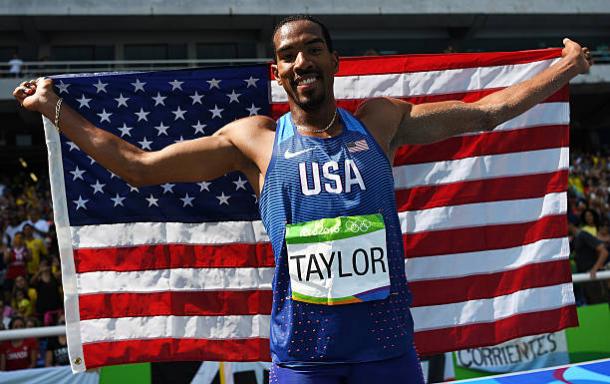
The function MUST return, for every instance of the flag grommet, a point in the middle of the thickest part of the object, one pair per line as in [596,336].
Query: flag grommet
[78,361]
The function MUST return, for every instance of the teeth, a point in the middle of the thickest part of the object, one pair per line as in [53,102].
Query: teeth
[308,80]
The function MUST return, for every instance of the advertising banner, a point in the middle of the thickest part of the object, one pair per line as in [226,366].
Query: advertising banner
[525,353]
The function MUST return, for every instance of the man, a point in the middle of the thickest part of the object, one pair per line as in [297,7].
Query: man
[15,65]
[340,308]
[590,254]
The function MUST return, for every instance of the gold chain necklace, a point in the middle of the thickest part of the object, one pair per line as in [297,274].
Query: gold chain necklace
[318,130]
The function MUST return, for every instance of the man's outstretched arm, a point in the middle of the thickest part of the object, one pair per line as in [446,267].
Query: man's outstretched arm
[189,161]
[427,123]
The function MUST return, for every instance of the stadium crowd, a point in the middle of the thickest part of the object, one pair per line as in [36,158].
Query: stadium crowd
[589,221]
[30,274]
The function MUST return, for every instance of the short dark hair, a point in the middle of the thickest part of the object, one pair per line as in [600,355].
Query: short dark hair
[292,18]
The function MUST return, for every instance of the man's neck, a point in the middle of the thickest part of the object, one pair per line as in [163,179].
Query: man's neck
[308,121]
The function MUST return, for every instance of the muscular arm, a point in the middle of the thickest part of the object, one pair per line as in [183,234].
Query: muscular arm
[406,123]
[195,160]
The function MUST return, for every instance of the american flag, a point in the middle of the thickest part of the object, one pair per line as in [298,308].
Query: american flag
[183,271]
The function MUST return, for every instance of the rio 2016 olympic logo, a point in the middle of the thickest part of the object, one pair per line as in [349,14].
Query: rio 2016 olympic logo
[319,229]
[358,226]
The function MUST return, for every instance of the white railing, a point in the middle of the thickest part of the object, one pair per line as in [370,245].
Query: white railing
[61,330]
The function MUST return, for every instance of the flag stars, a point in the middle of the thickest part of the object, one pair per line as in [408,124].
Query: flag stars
[152,201]
[142,114]
[159,99]
[214,83]
[63,87]
[223,199]
[104,116]
[204,186]
[179,114]
[176,85]
[138,86]
[98,187]
[253,110]
[196,98]
[199,128]
[162,129]
[251,82]
[233,97]
[145,144]
[187,201]
[91,160]
[125,130]
[83,102]
[168,188]
[118,200]
[72,146]
[240,184]
[80,203]
[133,189]
[77,174]
[180,139]
[121,100]
[216,112]
[100,87]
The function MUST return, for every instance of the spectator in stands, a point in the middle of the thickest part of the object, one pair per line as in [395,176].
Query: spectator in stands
[589,220]
[21,284]
[24,306]
[57,348]
[590,255]
[40,225]
[14,226]
[35,246]
[32,322]
[6,313]
[15,65]
[15,258]
[18,353]
[49,297]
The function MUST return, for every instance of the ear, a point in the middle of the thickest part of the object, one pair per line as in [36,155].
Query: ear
[335,62]
[276,74]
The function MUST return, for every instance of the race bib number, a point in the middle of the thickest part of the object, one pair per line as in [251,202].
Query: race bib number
[336,261]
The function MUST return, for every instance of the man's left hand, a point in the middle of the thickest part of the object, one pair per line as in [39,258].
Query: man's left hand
[580,57]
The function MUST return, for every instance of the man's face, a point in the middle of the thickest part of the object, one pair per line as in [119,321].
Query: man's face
[304,65]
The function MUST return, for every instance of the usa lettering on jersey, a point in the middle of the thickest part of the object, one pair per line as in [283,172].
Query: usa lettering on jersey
[332,180]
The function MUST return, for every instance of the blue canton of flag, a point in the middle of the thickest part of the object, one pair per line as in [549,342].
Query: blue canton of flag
[153,110]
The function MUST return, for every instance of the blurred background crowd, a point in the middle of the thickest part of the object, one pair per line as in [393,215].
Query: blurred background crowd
[30,274]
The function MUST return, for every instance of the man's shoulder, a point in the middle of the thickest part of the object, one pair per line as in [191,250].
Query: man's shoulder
[251,124]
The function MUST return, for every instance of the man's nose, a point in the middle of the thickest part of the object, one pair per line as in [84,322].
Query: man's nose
[302,61]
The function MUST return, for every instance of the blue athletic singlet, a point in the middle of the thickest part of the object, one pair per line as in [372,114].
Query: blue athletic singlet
[304,333]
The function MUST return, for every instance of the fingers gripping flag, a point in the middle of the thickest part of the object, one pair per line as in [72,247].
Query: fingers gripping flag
[183,271]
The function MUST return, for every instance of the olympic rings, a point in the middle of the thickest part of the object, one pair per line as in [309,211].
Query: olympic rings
[358,226]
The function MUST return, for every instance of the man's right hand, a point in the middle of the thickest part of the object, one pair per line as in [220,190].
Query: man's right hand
[34,95]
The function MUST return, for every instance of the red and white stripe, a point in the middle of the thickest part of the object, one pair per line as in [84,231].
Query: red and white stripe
[482,215]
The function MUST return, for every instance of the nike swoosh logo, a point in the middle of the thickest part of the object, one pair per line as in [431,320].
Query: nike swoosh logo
[290,155]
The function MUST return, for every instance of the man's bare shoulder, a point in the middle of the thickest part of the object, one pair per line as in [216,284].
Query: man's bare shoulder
[248,126]
[253,136]
[382,117]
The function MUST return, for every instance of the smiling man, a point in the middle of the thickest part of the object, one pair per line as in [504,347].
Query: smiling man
[341,303]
